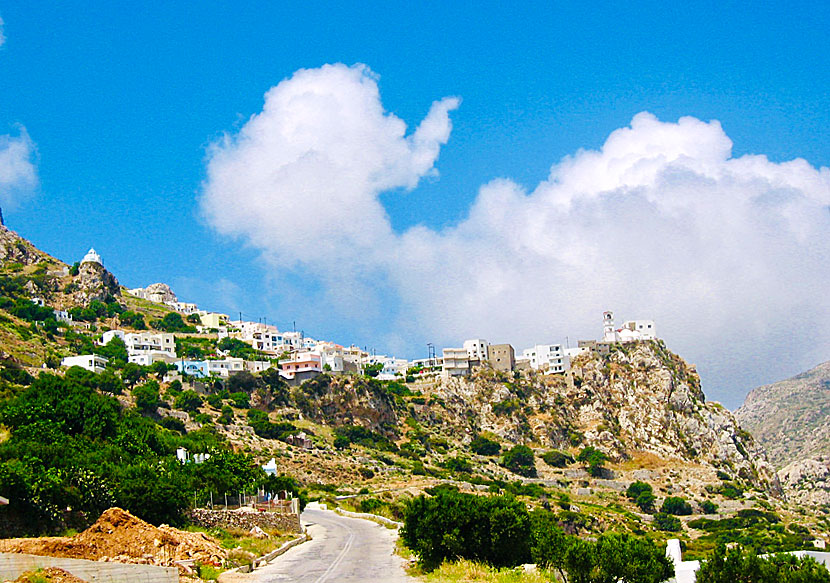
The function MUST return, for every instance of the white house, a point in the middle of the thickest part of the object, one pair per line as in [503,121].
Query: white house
[549,357]
[477,349]
[456,362]
[147,347]
[631,331]
[91,362]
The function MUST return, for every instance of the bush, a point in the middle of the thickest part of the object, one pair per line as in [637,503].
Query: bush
[676,505]
[188,400]
[451,525]
[708,507]
[147,397]
[520,460]
[642,494]
[484,446]
[594,458]
[667,522]
[557,459]
[744,565]
[173,424]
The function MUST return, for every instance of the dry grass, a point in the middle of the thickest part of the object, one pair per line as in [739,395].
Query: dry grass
[467,571]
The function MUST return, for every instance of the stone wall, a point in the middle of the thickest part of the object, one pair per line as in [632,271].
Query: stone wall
[245,520]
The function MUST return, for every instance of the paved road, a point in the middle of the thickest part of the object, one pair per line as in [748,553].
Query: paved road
[342,550]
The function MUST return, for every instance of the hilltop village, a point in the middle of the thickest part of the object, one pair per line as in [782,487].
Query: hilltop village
[300,357]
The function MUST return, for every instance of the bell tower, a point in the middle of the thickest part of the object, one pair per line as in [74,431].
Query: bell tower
[608,332]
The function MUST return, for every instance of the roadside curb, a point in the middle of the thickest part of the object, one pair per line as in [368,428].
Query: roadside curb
[367,516]
[264,559]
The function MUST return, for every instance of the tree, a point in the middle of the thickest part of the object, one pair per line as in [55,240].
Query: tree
[147,397]
[485,446]
[642,494]
[667,522]
[557,459]
[548,542]
[132,373]
[451,525]
[708,507]
[676,505]
[520,460]
[595,458]
[115,350]
[188,400]
[737,565]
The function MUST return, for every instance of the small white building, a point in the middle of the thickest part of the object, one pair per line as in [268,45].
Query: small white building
[456,362]
[91,362]
[477,349]
[548,357]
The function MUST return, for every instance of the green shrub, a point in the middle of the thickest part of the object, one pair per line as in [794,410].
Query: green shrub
[708,507]
[676,505]
[667,522]
[520,460]
[485,446]
[557,459]
[451,525]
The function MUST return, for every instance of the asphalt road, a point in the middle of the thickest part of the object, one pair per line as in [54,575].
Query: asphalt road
[342,550]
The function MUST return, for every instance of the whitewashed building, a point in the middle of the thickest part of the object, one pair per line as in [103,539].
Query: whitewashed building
[477,349]
[456,362]
[91,362]
[548,357]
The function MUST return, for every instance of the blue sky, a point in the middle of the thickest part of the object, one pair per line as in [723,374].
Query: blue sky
[121,105]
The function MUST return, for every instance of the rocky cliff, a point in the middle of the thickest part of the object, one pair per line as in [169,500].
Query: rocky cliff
[640,398]
[791,418]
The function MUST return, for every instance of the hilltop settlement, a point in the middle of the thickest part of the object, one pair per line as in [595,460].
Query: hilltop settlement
[134,400]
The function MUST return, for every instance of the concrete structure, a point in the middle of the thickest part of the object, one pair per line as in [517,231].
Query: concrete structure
[547,357]
[63,316]
[684,571]
[91,362]
[502,357]
[213,319]
[205,368]
[456,362]
[631,331]
[477,349]
[302,362]
[637,330]
[257,365]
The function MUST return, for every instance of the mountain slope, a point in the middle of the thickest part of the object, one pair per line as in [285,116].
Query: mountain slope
[791,418]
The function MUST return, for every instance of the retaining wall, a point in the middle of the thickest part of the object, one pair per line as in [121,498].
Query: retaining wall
[245,520]
[12,565]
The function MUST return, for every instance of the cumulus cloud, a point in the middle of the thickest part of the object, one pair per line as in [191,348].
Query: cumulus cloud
[18,176]
[728,254]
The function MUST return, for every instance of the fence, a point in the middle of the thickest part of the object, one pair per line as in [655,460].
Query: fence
[260,502]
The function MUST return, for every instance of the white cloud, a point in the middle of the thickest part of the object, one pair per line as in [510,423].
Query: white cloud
[729,255]
[2,36]
[18,176]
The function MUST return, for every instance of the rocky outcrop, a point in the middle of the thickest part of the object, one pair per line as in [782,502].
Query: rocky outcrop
[16,249]
[159,293]
[94,282]
[807,482]
[640,398]
[790,418]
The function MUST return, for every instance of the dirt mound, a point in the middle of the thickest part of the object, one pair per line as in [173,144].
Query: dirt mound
[121,537]
[49,575]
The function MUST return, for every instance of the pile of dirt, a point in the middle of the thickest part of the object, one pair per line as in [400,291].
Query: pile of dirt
[49,575]
[121,537]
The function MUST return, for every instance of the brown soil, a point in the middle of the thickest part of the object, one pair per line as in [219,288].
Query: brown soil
[121,537]
[50,575]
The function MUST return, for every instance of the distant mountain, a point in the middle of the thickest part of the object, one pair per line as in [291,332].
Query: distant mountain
[791,418]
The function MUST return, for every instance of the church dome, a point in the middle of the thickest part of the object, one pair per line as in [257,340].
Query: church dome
[92,257]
